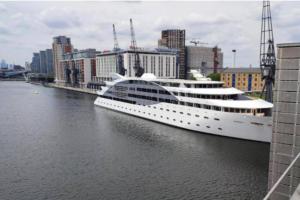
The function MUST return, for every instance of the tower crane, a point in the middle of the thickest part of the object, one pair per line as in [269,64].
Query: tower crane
[267,52]
[116,44]
[137,64]
[119,58]
[196,42]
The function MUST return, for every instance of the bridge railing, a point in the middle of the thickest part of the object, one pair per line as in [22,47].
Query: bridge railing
[294,183]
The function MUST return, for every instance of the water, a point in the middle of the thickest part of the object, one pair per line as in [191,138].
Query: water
[57,145]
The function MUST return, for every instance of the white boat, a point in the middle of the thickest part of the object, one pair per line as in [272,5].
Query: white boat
[203,105]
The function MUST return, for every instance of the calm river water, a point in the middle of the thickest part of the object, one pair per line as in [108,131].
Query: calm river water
[57,145]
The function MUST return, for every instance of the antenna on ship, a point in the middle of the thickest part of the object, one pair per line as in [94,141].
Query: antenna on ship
[267,52]
[137,64]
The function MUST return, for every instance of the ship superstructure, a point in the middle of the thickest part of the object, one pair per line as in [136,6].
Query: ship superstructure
[202,105]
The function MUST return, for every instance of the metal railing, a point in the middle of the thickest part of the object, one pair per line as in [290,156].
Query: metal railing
[272,190]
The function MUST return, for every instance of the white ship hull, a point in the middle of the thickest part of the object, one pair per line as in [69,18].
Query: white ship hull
[234,125]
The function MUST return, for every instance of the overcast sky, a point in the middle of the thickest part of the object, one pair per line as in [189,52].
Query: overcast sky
[28,27]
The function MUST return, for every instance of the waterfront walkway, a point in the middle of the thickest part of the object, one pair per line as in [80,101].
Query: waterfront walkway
[83,90]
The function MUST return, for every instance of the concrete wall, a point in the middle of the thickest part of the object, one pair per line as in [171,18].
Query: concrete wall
[286,121]
[202,58]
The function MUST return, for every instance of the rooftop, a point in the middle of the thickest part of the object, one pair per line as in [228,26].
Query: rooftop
[288,45]
[242,70]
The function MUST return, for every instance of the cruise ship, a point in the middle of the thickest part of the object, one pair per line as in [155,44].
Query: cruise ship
[200,105]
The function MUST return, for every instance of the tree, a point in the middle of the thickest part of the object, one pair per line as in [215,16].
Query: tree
[215,76]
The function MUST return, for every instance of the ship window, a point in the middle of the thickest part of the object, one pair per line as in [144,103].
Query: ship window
[154,107]
[182,94]
[161,116]
[197,115]
[220,129]
[181,113]
[182,103]
[217,108]
[205,117]
[258,124]
[206,106]
[174,119]
[189,123]
[189,114]
[217,119]
[167,110]
[190,104]
[154,91]
[175,93]
[174,101]
[164,92]
[197,105]
[197,125]
[167,117]
[190,95]
[180,121]
[207,126]
[161,109]
[174,111]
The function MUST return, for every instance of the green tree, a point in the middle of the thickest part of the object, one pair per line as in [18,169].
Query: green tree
[215,76]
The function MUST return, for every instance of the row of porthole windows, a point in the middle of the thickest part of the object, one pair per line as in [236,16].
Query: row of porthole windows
[189,114]
[205,117]
[181,121]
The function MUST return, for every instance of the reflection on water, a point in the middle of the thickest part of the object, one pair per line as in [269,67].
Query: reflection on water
[57,145]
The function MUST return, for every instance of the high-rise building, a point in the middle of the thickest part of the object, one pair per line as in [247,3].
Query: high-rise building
[43,63]
[204,59]
[175,39]
[3,64]
[49,62]
[60,46]
[78,68]
[35,63]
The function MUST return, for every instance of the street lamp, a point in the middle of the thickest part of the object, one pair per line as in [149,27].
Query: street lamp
[234,57]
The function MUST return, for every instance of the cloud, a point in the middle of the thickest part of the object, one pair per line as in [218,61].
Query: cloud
[59,18]
[3,7]
[30,26]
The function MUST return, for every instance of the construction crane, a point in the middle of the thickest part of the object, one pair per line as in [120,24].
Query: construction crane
[116,44]
[267,52]
[119,58]
[196,42]
[137,64]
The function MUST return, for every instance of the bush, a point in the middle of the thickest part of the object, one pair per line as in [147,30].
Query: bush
[215,76]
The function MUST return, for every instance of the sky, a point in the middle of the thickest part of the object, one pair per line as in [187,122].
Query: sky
[27,27]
